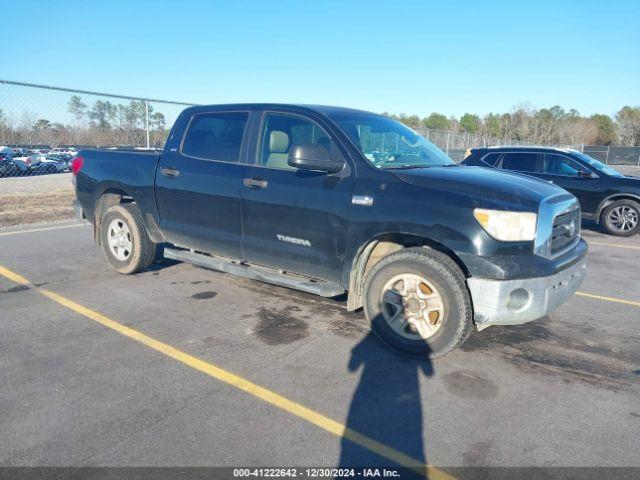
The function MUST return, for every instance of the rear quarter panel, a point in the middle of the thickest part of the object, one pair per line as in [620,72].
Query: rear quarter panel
[111,171]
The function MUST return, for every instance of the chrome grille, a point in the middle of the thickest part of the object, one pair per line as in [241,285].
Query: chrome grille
[566,230]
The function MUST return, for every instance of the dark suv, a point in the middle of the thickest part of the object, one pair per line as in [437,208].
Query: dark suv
[606,196]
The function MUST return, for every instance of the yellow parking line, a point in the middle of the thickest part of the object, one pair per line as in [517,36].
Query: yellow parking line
[44,229]
[608,299]
[630,247]
[240,383]
[14,277]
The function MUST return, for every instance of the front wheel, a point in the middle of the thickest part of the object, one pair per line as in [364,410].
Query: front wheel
[124,240]
[622,218]
[417,302]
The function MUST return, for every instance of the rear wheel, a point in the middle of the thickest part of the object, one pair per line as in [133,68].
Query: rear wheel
[417,302]
[124,240]
[622,218]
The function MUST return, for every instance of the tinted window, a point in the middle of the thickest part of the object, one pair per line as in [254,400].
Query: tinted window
[560,165]
[215,136]
[521,162]
[282,131]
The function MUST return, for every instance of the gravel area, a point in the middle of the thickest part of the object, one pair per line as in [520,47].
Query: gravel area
[39,184]
[29,200]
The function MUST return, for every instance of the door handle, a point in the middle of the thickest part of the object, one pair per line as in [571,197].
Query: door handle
[255,182]
[169,172]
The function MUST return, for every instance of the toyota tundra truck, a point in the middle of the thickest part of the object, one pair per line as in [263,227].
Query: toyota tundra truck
[331,200]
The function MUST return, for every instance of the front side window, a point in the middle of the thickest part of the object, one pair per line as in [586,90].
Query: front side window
[491,159]
[560,165]
[389,144]
[215,136]
[520,162]
[280,132]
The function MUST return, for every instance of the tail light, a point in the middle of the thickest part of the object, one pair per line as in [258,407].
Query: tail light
[76,165]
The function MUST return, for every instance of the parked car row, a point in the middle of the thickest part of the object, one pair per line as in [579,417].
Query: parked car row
[21,162]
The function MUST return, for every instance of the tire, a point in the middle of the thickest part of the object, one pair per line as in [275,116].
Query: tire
[622,218]
[134,250]
[454,322]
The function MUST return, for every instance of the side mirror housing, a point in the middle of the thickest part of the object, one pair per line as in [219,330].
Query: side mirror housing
[585,174]
[314,157]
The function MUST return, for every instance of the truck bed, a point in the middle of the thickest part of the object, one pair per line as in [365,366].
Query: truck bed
[127,172]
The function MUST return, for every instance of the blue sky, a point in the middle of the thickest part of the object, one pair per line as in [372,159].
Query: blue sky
[401,57]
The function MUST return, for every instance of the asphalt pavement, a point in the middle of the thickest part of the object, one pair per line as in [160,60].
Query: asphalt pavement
[199,368]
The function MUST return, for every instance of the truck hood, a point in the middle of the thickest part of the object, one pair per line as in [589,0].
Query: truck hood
[488,188]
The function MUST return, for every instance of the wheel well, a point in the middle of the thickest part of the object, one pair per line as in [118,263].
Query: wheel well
[609,200]
[107,199]
[378,248]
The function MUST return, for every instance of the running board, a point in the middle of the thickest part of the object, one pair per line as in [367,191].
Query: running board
[262,274]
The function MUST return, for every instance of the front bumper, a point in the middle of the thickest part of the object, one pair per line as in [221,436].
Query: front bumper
[512,302]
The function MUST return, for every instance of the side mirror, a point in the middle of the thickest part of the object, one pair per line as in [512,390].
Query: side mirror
[585,174]
[314,157]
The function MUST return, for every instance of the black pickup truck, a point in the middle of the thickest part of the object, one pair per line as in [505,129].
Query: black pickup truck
[331,200]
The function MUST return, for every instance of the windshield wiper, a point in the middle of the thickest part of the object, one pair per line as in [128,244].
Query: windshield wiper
[406,167]
[410,166]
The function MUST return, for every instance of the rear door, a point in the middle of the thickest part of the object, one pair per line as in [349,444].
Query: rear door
[295,220]
[198,184]
[521,162]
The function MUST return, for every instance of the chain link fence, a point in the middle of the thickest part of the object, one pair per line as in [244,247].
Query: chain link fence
[613,155]
[41,125]
[42,128]
[455,144]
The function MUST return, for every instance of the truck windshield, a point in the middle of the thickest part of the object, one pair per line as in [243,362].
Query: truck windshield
[388,144]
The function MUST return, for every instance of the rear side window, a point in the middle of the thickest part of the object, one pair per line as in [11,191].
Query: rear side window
[215,136]
[521,162]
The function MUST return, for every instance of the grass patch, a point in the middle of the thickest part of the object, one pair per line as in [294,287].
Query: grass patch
[22,209]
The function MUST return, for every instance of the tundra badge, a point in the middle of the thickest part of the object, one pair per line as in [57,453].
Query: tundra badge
[296,241]
[365,200]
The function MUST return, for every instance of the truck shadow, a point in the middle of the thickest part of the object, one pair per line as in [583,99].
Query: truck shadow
[386,406]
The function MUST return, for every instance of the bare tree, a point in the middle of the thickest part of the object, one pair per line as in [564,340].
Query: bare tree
[628,119]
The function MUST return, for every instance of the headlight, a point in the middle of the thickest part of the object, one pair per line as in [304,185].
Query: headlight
[507,226]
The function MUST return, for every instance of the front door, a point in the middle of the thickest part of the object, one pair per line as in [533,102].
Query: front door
[573,177]
[198,186]
[295,220]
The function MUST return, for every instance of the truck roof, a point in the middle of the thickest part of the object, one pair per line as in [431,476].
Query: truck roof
[322,109]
